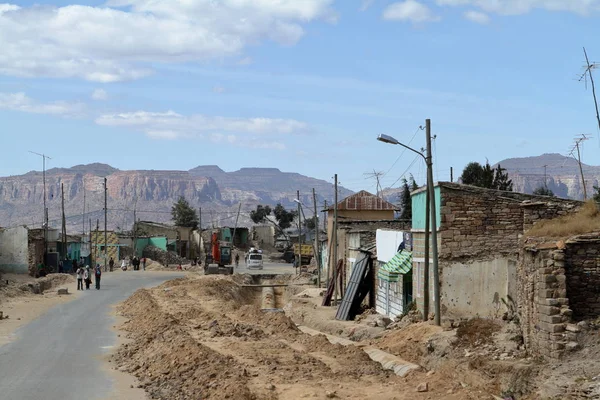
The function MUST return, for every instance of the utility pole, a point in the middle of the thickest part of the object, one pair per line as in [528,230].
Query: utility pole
[426,284]
[235,226]
[105,224]
[436,276]
[91,257]
[64,221]
[588,72]
[200,218]
[335,239]
[317,252]
[83,214]
[451,175]
[97,232]
[45,223]
[299,265]
[545,182]
[578,158]
[325,216]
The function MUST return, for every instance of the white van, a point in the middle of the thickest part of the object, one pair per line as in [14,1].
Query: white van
[254,259]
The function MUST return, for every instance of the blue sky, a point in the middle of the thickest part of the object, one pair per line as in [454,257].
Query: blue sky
[304,86]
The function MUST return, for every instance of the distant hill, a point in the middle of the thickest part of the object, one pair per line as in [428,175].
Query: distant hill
[152,193]
[527,173]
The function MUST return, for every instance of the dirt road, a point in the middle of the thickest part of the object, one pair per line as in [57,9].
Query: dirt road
[59,354]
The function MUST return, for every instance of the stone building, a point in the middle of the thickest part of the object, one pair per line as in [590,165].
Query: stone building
[478,241]
[558,286]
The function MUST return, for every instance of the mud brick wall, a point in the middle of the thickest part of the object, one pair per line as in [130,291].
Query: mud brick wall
[582,257]
[543,304]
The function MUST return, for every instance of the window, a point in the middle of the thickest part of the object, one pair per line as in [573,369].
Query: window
[255,257]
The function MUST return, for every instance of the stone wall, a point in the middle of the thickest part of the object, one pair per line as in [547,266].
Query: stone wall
[582,257]
[481,223]
[558,285]
[534,211]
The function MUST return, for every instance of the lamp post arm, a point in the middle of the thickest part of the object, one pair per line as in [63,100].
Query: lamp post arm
[413,150]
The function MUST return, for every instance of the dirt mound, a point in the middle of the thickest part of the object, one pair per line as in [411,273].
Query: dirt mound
[206,338]
[409,343]
[476,332]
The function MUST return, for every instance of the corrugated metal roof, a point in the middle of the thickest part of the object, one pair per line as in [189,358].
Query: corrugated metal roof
[365,201]
[401,263]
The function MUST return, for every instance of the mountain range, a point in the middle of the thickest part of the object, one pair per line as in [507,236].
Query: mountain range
[559,173]
[151,194]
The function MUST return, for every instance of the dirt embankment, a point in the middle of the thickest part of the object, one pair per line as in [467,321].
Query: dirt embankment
[206,338]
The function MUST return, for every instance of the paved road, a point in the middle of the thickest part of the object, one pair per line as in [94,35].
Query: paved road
[58,356]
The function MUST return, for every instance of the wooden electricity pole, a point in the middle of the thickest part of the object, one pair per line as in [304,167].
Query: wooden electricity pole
[334,251]
[588,72]
[64,221]
[317,252]
[105,224]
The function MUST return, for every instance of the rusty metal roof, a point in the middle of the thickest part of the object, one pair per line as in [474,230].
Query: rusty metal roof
[365,201]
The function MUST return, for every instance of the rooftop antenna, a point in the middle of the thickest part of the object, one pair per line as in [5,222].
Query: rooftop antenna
[576,146]
[376,175]
[589,67]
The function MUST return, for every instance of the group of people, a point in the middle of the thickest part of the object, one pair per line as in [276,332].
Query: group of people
[135,262]
[84,276]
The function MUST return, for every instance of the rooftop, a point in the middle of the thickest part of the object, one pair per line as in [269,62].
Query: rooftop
[364,201]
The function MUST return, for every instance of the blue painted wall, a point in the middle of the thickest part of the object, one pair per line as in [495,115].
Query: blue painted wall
[418,208]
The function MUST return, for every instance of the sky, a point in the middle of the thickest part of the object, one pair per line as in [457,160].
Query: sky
[300,85]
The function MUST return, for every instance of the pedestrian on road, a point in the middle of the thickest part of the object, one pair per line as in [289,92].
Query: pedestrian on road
[87,277]
[111,264]
[124,265]
[79,278]
[98,275]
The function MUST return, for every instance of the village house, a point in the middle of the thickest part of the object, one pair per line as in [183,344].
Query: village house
[22,249]
[478,242]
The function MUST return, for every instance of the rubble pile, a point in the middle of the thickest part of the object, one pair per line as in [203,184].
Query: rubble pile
[166,258]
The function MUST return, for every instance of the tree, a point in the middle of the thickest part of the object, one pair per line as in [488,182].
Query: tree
[597,194]
[284,217]
[405,201]
[260,214]
[484,176]
[543,191]
[310,223]
[184,215]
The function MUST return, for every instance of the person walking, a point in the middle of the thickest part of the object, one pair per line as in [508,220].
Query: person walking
[87,277]
[98,275]
[237,259]
[144,263]
[80,278]
[111,264]
[123,265]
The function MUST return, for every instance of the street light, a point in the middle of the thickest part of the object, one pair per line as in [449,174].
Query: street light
[429,212]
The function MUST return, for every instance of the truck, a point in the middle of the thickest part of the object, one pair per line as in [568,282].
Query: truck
[218,252]
[305,250]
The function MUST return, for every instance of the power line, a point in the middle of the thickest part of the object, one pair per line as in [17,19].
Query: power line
[403,150]
[404,173]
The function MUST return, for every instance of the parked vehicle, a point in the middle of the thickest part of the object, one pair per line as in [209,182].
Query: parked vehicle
[254,259]
[220,254]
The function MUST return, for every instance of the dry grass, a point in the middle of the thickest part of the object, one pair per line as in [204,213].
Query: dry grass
[586,220]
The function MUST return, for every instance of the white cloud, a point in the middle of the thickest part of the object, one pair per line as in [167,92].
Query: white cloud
[246,61]
[477,17]
[119,41]
[21,102]
[99,94]
[366,4]
[246,132]
[218,89]
[518,7]
[409,10]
